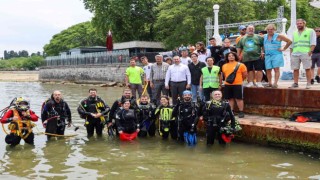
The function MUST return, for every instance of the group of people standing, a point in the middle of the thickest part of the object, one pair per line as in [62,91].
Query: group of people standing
[194,84]
[126,116]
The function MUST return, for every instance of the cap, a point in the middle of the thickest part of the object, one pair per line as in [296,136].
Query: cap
[187,92]
[242,27]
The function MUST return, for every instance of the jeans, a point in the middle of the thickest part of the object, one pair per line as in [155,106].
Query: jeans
[195,92]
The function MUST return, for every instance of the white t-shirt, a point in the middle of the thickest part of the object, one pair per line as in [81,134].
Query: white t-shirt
[187,60]
[147,71]
[203,57]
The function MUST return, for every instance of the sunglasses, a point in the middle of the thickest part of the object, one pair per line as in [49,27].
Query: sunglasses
[317,30]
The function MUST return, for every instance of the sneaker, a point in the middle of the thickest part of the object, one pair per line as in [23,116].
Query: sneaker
[312,81]
[275,86]
[241,114]
[294,85]
[317,79]
[268,86]
[250,84]
[258,84]
[308,86]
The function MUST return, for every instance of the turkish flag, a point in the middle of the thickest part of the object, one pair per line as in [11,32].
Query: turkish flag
[109,43]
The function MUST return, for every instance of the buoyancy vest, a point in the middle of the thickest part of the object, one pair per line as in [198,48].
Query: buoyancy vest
[20,127]
[165,113]
[301,43]
[188,112]
[210,79]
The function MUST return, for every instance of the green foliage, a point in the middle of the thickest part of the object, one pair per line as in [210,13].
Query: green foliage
[129,20]
[182,22]
[13,54]
[173,22]
[24,63]
[82,34]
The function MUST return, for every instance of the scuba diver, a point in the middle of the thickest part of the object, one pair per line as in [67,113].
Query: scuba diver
[127,122]
[93,109]
[127,95]
[186,113]
[146,117]
[19,116]
[216,114]
[167,123]
[54,114]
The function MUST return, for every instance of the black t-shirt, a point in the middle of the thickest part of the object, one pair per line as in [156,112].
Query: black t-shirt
[215,53]
[317,48]
[225,50]
[195,71]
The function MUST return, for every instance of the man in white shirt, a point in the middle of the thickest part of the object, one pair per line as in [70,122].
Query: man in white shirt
[180,77]
[185,59]
[147,70]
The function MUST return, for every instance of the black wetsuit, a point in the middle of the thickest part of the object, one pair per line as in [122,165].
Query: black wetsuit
[146,120]
[127,121]
[186,115]
[93,105]
[216,115]
[52,109]
[116,107]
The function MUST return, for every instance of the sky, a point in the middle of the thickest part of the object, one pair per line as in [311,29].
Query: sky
[30,24]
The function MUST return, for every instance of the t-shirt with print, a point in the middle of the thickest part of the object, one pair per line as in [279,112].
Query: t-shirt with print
[228,68]
[134,74]
[251,47]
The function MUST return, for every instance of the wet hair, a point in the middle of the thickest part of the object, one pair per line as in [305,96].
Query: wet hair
[236,57]
[93,89]
[164,96]
[124,101]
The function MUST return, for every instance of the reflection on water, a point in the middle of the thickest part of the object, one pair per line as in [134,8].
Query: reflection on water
[150,158]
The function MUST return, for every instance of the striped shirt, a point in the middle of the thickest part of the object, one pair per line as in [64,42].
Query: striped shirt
[158,72]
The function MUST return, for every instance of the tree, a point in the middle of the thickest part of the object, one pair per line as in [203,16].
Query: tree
[183,22]
[128,19]
[82,34]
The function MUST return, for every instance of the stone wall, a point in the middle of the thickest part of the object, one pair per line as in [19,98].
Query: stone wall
[84,74]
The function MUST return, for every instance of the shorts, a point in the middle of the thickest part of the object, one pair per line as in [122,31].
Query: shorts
[274,61]
[315,60]
[296,61]
[257,65]
[233,92]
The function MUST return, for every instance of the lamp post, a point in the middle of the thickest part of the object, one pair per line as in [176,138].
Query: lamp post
[293,20]
[284,22]
[216,34]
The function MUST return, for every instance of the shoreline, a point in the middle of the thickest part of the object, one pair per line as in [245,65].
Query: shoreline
[19,76]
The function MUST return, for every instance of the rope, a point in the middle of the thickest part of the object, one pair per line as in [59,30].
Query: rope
[51,134]
[4,130]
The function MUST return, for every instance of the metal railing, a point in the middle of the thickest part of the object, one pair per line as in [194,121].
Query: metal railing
[98,58]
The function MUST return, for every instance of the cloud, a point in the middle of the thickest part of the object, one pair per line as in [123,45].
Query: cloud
[30,24]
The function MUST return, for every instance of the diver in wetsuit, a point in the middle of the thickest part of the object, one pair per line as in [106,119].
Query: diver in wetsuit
[186,114]
[216,114]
